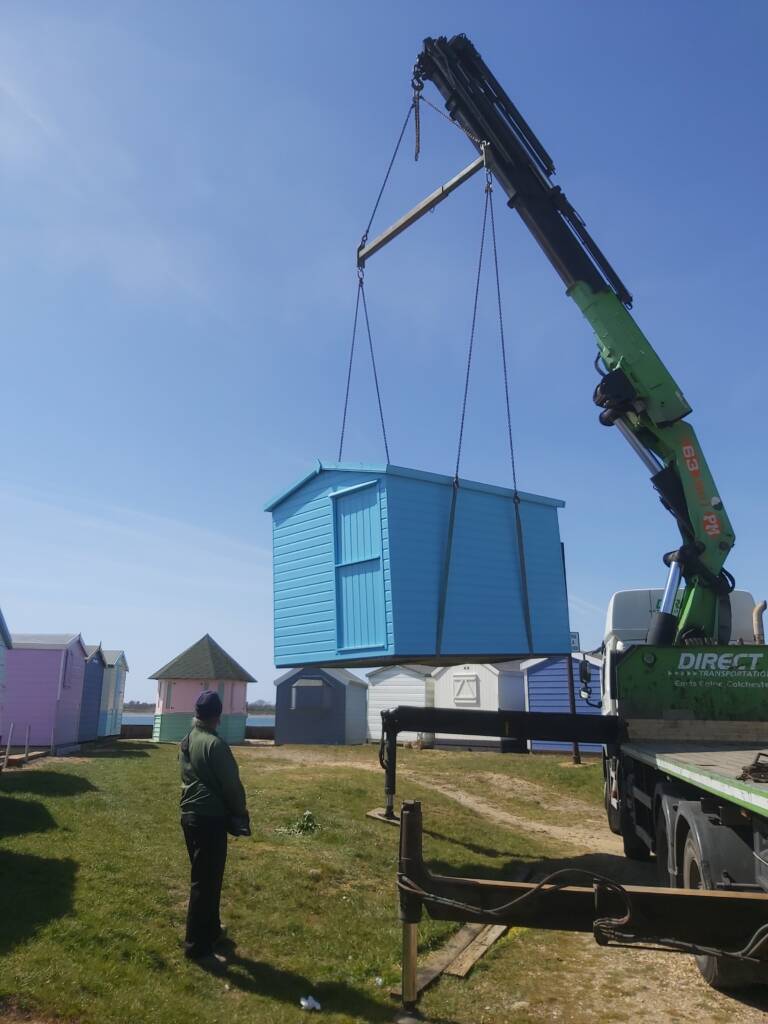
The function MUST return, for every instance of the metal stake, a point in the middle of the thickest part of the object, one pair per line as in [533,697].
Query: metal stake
[410,950]
[572,706]
[8,746]
[390,775]
[26,745]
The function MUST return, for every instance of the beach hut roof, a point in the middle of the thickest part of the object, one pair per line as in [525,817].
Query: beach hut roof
[411,669]
[95,651]
[4,632]
[341,675]
[204,660]
[414,474]
[112,657]
[46,641]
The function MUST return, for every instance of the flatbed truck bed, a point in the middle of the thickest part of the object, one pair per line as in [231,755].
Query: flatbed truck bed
[714,768]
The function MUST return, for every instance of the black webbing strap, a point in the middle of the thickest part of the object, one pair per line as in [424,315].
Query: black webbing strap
[523,572]
[446,571]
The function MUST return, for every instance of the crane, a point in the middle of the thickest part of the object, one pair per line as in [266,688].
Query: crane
[636,392]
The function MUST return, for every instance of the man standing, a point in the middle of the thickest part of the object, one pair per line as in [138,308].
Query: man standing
[212,803]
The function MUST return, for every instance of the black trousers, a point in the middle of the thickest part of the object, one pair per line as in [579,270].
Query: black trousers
[206,840]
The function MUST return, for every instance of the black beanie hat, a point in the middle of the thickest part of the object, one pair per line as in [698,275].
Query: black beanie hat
[208,705]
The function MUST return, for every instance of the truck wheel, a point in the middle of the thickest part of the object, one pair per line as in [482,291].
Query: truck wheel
[718,971]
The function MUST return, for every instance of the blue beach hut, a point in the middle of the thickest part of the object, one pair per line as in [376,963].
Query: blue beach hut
[375,565]
[92,684]
[547,683]
[315,705]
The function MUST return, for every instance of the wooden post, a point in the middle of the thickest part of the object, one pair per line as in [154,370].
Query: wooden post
[572,706]
[26,744]
[8,746]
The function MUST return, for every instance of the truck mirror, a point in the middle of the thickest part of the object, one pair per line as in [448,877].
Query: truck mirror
[585,671]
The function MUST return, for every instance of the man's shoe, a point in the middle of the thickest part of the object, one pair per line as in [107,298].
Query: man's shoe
[210,962]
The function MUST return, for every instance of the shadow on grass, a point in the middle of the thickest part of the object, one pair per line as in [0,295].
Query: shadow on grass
[263,979]
[17,817]
[613,866]
[34,891]
[482,851]
[44,783]
[120,748]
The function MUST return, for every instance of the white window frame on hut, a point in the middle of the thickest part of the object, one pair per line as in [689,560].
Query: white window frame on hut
[304,682]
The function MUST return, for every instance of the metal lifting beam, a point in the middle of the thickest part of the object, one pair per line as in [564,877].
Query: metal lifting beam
[519,725]
[425,206]
[679,920]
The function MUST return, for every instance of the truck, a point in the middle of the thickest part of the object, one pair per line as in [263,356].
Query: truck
[684,727]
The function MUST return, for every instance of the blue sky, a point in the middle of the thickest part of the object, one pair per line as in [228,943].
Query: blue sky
[182,189]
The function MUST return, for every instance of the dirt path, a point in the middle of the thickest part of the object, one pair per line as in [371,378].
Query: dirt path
[581,826]
[569,978]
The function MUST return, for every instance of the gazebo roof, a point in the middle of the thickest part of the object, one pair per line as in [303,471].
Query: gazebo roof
[204,660]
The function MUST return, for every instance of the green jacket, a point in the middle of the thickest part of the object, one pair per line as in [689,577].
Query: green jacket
[210,780]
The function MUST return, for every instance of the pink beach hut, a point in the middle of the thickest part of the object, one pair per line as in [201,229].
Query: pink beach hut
[44,688]
[203,666]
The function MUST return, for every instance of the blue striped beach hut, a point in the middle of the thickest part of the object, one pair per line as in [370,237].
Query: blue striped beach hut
[93,681]
[377,564]
[546,689]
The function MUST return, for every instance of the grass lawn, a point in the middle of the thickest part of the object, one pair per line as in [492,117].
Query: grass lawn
[94,887]
[95,882]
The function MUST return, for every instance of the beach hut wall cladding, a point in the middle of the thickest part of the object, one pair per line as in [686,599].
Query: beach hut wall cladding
[479,687]
[44,687]
[112,693]
[546,689]
[375,565]
[90,705]
[469,686]
[320,705]
[203,666]
[393,685]
[5,644]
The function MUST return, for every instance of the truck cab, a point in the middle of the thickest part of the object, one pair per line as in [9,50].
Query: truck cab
[629,618]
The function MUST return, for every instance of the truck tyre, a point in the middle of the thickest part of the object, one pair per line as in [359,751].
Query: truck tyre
[718,971]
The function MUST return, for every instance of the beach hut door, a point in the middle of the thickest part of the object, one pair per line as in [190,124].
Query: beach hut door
[359,571]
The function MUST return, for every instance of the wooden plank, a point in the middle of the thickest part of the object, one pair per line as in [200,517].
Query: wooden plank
[378,814]
[436,963]
[466,960]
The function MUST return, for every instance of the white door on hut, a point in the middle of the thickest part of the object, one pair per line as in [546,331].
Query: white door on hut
[477,687]
[396,685]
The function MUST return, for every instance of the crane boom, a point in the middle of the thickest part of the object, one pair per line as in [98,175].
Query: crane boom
[636,392]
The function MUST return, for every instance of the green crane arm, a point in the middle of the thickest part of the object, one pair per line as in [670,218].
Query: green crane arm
[636,392]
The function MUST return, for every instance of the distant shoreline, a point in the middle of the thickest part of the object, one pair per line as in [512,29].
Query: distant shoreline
[143,708]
